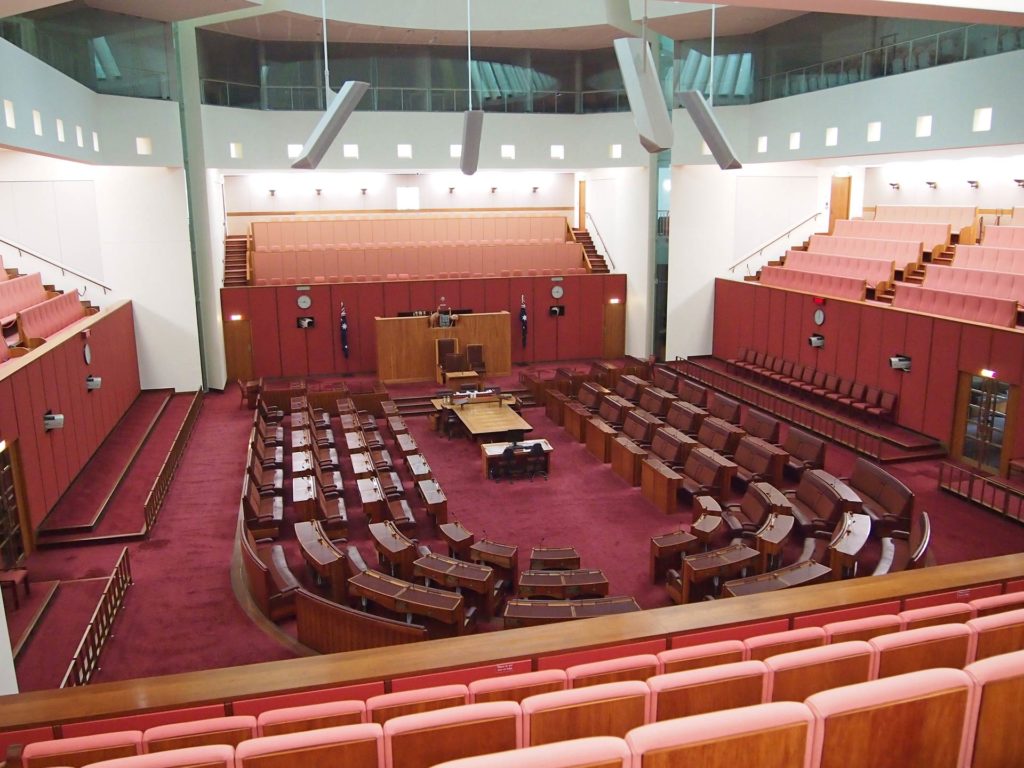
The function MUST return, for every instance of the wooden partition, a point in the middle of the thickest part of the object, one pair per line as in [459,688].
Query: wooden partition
[405,345]
[328,627]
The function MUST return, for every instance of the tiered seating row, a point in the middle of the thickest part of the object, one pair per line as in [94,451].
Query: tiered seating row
[415,261]
[877,273]
[828,388]
[934,238]
[37,323]
[839,287]
[1004,237]
[997,258]
[965,306]
[980,282]
[962,219]
[905,254]
[345,234]
[612,697]
[21,293]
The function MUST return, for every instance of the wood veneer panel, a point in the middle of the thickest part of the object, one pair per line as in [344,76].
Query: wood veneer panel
[699,662]
[606,717]
[351,754]
[713,696]
[405,348]
[312,723]
[383,714]
[999,739]
[518,693]
[777,748]
[948,652]
[430,746]
[800,682]
[461,676]
[232,736]
[994,642]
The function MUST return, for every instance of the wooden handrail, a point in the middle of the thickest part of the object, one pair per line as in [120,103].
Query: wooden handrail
[162,484]
[787,233]
[64,268]
[47,708]
[87,656]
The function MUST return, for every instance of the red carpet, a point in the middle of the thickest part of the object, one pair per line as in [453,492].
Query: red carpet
[81,502]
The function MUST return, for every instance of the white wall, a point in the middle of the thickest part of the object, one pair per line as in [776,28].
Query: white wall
[8,678]
[135,223]
[619,200]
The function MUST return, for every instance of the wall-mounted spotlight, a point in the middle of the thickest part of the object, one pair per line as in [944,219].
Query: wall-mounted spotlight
[1019,182]
[895,185]
[319,191]
[451,190]
[535,190]
[53,421]
[363,190]
[273,192]
[93,382]
[493,190]
[816,340]
[900,363]
[932,184]
[972,184]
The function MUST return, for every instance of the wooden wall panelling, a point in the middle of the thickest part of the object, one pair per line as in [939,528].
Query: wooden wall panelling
[894,341]
[322,340]
[913,393]
[371,303]
[472,294]
[799,308]
[865,366]
[842,335]
[1006,358]
[292,338]
[614,341]
[421,295]
[331,628]
[545,345]
[266,339]
[76,431]
[762,316]
[396,298]
[943,374]
[975,348]
[238,349]
[39,406]
[29,431]
[576,314]
[53,392]
[496,296]
[591,289]
[725,332]
[451,291]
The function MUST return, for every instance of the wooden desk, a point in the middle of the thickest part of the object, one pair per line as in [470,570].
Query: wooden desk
[795,575]
[614,409]
[355,442]
[531,613]
[407,446]
[459,540]
[771,538]
[631,387]
[705,527]
[504,557]
[659,484]
[848,540]
[302,463]
[492,452]
[563,585]
[362,465]
[395,551]
[605,372]
[397,426]
[574,418]
[372,498]
[626,459]
[718,565]
[298,403]
[349,422]
[554,558]
[300,439]
[304,496]
[460,379]
[434,499]
[486,415]
[472,578]
[404,597]
[418,467]
[324,559]
[657,400]
[599,438]
[554,406]
[667,551]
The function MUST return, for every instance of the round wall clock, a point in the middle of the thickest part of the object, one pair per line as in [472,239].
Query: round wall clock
[819,316]
[304,301]
[557,292]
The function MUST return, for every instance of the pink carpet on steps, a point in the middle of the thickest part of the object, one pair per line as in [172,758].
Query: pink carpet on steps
[79,504]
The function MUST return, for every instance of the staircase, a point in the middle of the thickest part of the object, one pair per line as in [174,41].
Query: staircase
[595,262]
[236,260]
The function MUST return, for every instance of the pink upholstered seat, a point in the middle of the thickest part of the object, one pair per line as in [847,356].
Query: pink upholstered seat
[947,613]
[517,687]
[795,676]
[861,629]
[944,645]
[388,705]
[210,756]
[81,750]
[611,709]
[578,753]
[996,633]
[428,738]
[779,734]
[916,719]
[310,716]
[213,730]
[763,646]
[706,689]
[997,739]
[352,745]
[1011,601]
[638,667]
[703,655]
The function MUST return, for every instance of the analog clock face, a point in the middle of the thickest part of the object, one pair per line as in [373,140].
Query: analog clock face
[819,316]
[557,292]
[87,353]
[304,301]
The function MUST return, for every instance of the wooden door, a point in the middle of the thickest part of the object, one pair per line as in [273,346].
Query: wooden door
[839,202]
[582,223]
[986,415]
[614,344]
[238,349]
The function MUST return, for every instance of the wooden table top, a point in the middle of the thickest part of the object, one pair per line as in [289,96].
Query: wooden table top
[369,490]
[776,529]
[455,533]
[590,581]
[303,489]
[317,548]
[387,537]
[491,419]
[795,575]
[405,597]
[502,555]
[546,611]
[454,573]
[851,534]
[734,554]
[548,557]
[302,462]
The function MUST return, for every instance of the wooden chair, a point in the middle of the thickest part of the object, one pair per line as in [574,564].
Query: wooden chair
[249,392]
[475,357]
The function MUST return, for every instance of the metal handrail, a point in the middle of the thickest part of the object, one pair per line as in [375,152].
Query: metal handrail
[64,268]
[597,232]
[763,248]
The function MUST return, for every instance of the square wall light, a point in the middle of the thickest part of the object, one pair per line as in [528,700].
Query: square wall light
[875,131]
[923,128]
[831,137]
[762,144]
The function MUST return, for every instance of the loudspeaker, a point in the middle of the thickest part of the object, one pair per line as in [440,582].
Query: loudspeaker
[472,126]
[900,363]
[93,382]
[709,129]
[644,93]
[816,340]
[330,124]
[53,421]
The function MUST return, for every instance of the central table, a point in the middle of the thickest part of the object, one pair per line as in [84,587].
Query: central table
[486,415]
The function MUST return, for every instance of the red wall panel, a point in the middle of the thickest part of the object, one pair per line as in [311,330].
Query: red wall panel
[943,373]
[975,348]
[796,323]
[450,291]
[776,322]
[321,340]
[472,294]
[1005,356]
[894,341]
[291,338]
[728,336]
[52,397]
[371,306]
[592,303]
[545,327]
[913,393]
[396,298]
[869,348]
[522,287]
[568,339]
[70,403]
[421,295]
[762,316]
[496,295]
[33,458]
[266,340]
[234,301]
